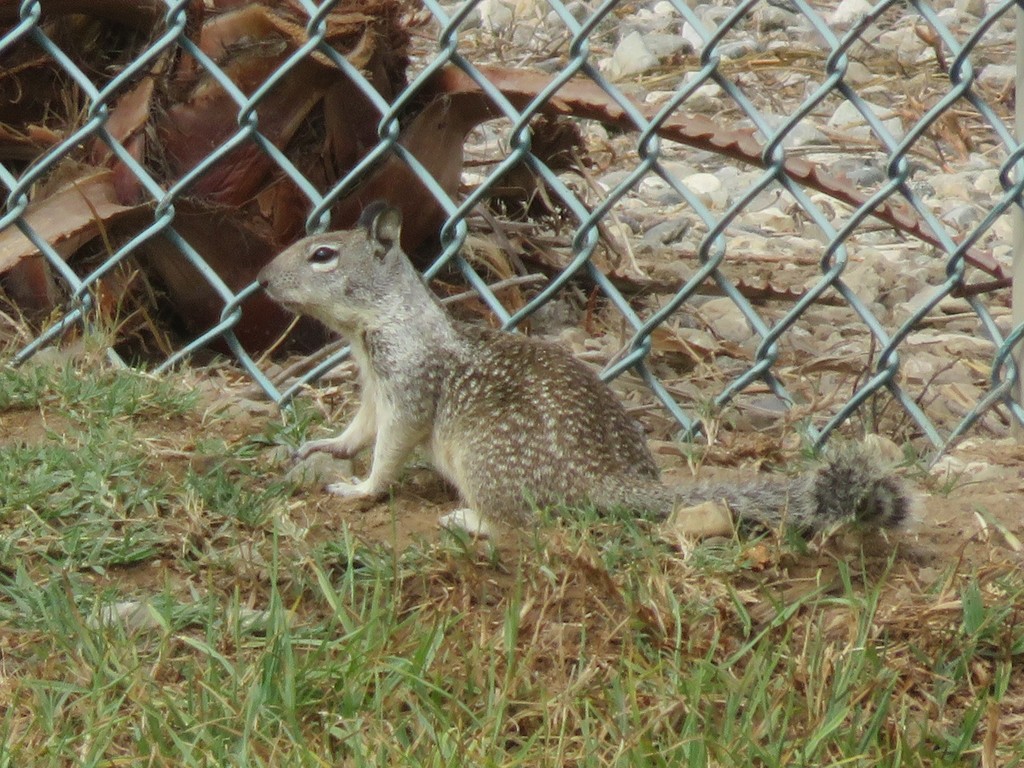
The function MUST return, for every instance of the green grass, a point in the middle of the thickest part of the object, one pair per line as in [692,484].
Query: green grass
[244,640]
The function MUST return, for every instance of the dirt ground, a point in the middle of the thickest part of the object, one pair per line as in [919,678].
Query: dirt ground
[978,520]
[970,506]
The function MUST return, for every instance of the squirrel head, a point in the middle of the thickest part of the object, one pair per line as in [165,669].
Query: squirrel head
[344,278]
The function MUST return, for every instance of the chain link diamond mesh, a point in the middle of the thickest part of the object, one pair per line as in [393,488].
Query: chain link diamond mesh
[816,122]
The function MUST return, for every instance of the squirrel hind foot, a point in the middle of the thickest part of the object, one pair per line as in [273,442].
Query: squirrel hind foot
[853,482]
[469,521]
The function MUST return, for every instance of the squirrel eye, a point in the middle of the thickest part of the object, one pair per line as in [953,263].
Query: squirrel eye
[323,254]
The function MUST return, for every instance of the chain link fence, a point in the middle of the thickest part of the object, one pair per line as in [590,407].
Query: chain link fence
[800,212]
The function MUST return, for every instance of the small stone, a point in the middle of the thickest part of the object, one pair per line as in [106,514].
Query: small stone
[952,186]
[804,135]
[495,15]
[692,36]
[631,57]
[858,74]
[952,469]
[665,9]
[667,232]
[657,98]
[998,77]
[919,369]
[578,10]
[962,217]
[764,411]
[708,189]
[847,118]
[653,188]
[988,182]
[771,19]
[713,16]
[864,280]
[737,49]
[974,8]
[707,98]
[771,219]
[133,615]
[953,18]
[904,42]
[660,44]
[850,11]
[611,180]
[710,518]
[472,19]
[866,175]
[726,320]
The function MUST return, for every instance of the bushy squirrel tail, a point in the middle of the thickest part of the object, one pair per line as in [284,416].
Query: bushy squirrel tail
[853,484]
[850,486]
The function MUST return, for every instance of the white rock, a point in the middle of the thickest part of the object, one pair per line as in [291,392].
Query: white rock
[864,280]
[771,219]
[707,98]
[664,8]
[988,182]
[708,188]
[657,98]
[953,469]
[1002,229]
[904,42]
[804,134]
[692,36]
[495,15]
[713,16]
[631,57]
[962,216]
[952,186]
[1001,77]
[737,49]
[953,18]
[974,8]
[749,242]
[651,186]
[726,320]
[133,615]
[660,44]
[919,369]
[847,118]
[611,180]
[472,19]
[858,74]
[678,168]
[770,19]
[849,11]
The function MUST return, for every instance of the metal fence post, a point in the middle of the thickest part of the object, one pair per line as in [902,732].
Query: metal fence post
[1017,290]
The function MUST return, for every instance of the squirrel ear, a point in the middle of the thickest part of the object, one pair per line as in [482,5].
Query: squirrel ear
[383,223]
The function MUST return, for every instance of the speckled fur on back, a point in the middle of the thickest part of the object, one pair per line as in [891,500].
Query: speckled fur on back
[523,420]
[514,422]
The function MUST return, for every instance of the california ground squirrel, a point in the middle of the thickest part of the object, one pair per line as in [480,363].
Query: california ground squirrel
[513,422]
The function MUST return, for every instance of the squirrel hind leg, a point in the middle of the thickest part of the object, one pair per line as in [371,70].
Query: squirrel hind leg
[469,521]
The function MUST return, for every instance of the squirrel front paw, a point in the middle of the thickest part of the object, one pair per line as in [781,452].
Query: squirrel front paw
[330,445]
